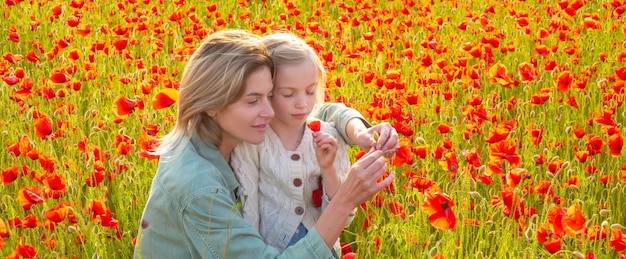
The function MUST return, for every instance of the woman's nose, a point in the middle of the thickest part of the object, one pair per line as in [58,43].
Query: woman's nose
[267,111]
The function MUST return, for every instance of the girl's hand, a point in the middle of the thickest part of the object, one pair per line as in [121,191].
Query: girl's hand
[325,149]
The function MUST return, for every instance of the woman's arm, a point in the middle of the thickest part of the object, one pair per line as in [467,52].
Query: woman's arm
[354,129]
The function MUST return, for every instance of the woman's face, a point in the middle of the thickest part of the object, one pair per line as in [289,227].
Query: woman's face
[248,118]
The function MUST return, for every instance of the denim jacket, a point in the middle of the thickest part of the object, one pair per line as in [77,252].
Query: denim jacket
[193,212]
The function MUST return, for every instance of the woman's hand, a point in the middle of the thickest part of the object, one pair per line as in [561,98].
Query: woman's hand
[362,180]
[381,136]
[360,184]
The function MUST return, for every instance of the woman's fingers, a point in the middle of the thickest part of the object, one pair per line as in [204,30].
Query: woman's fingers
[388,137]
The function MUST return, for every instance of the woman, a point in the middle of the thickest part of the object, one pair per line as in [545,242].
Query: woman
[193,211]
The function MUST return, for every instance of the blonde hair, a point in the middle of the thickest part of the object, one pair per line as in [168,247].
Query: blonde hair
[214,77]
[288,49]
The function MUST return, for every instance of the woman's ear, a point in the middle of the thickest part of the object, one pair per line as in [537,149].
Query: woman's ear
[211,113]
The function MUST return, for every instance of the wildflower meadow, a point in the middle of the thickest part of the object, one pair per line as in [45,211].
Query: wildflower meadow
[510,116]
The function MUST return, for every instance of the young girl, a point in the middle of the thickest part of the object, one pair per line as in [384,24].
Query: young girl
[299,169]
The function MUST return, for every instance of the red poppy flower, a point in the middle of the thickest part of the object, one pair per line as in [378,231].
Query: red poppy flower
[450,163]
[403,156]
[443,128]
[55,186]
[164,98]
[555,218]
[621,73]
[541,97]
[594,144]
[581,155]
[4,230]
[527,72]
[499,74]
[9,175]
[501,132]
[124,106]
[43,126]
[29,196]
[553,246]
[506,149]
[315,125]
[472,156]
[615,143]
[30,221]
[57,214]
[618,240]
[536,133]
[421,183]
[513,204]
[397,208]
[574,222]
[438,206]
[124,144]
[596,232]
[516,175]
[26,251]
[58,76]
[564,81]
[606,118]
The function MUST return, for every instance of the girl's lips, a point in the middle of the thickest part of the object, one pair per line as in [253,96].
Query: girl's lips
[299,116]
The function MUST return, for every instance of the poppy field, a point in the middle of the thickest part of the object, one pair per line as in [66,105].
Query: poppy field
[510,116]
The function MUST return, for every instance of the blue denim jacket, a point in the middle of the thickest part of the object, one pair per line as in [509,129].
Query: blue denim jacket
[192,212]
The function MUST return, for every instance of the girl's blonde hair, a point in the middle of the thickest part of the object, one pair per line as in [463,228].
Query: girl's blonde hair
[214,77]
[288,49]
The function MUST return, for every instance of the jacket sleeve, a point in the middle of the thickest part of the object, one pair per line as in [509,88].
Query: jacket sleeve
[340,115]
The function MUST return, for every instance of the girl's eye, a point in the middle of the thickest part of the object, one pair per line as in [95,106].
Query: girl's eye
[310,93]
[253,101]
[287,95]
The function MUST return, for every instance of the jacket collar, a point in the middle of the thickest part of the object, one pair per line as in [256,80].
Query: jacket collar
[211,153]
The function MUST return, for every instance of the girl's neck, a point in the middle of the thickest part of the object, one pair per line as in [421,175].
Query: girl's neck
[289,136]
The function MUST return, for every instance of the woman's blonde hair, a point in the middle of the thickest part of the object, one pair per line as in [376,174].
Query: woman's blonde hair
[214,77]
[288,49]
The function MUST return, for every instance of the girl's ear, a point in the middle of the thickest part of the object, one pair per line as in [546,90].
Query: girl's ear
[211,113]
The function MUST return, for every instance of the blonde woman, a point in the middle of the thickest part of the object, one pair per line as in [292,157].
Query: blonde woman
[193,210]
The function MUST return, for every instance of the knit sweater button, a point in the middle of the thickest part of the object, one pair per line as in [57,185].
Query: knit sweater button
[297,182]
[299,210]
[295,157]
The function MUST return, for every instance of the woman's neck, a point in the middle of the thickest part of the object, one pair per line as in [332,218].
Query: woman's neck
[226,148]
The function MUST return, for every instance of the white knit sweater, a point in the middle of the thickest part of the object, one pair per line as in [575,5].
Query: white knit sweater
[276,184]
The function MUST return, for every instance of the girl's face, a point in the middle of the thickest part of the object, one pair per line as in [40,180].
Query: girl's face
[294,93]
[247,118]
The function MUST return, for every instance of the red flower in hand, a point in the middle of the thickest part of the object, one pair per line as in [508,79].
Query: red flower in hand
[315,126]
[317,194]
